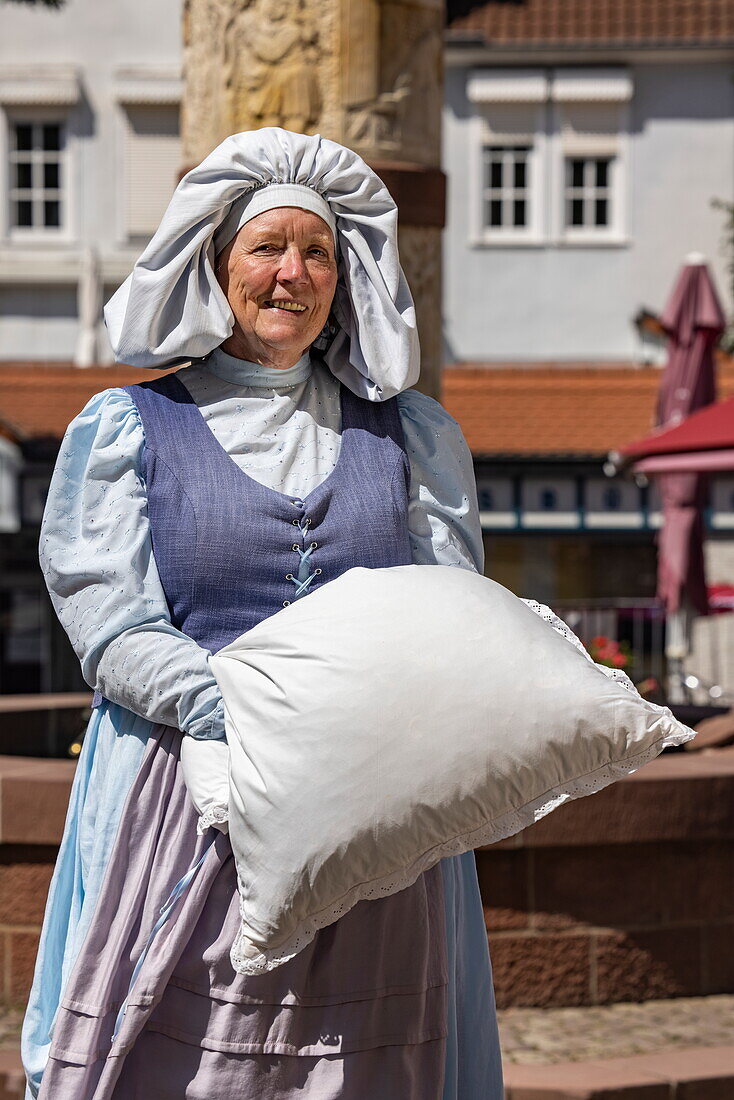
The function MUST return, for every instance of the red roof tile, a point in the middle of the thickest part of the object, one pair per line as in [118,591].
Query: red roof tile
[593,22]
[557,410]
[38,400]
[508,409]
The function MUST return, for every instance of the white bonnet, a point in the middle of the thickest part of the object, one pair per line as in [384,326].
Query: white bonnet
[171,308]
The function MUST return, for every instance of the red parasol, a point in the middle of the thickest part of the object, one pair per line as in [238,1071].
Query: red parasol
[694,321]
[702,443]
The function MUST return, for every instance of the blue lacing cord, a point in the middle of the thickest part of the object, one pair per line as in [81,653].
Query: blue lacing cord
[173,898]
[304,578]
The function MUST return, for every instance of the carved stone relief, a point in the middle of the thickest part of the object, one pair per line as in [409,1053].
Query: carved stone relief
[272,62]
[403,46]
[420,257]
[253,63]
[365,72]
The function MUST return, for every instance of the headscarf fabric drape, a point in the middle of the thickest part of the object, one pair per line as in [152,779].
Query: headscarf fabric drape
[171,308]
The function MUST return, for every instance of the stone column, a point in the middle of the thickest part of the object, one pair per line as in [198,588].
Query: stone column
[366,73]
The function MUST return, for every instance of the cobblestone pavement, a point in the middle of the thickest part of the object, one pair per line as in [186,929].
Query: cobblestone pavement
[539,1036]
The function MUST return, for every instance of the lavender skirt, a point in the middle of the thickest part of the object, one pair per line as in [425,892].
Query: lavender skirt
[360,1012]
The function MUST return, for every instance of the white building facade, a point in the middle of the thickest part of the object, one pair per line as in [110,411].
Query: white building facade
[579,181]
[89,156]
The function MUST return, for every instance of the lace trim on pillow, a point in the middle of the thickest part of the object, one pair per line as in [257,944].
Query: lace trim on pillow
[247,959]
[215,815]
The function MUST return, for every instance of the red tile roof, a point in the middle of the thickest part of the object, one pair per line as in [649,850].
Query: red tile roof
[37,400]
[555,410]
[511,409]
[593,22]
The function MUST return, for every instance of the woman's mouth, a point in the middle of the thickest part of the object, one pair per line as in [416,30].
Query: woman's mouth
[289,307]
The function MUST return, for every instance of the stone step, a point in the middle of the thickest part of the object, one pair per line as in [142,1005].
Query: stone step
[12,1078]
[694,1073]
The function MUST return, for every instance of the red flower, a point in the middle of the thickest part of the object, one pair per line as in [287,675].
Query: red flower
[619,660]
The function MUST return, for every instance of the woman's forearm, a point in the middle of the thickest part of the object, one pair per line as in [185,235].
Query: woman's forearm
[162,675]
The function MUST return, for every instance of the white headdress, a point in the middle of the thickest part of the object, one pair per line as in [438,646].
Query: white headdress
[171,308]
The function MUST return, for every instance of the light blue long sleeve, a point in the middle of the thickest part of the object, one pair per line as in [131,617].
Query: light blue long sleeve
[443,514]
[97,557]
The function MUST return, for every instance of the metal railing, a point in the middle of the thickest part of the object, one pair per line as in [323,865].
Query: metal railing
[641,623]
[638,622]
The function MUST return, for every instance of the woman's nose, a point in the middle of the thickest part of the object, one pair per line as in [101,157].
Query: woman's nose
[293,266]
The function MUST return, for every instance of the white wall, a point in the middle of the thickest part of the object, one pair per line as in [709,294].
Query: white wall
[99,38]
[551,302]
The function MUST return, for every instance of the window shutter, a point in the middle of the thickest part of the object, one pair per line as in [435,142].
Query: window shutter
[152,165]
[591,129]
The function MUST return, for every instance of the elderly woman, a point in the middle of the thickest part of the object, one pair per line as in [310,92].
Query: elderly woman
[289,434]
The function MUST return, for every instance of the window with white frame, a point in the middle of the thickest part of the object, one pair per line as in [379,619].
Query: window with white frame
[506,186]
[589,124]
[510,118]
[37,169]
[588,192]
[550,155]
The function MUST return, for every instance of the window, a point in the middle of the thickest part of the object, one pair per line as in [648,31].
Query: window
[36,175]
[549,155]
[507,174]
[589,119]
[612,505]
[588,192]
[612,498]
[549,503]
[496,498]
[721,495]
[506,186]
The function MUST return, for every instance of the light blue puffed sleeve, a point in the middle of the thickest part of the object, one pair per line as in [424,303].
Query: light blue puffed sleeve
[97,558]
[443,514]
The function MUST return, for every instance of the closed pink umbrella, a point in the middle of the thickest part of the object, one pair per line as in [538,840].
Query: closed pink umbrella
[693,320]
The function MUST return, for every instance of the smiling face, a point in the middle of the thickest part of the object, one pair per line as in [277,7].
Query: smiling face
[279,276]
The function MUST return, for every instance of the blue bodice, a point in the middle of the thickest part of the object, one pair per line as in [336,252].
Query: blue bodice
[231,551]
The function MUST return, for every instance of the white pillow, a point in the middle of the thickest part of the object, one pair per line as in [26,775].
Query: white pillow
[392,718]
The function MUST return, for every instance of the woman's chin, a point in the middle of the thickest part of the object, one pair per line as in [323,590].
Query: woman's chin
[285,336]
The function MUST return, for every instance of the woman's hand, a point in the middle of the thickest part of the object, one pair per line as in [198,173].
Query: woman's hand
[205,767]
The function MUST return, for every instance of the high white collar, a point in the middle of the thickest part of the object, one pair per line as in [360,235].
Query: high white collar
[244,373]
